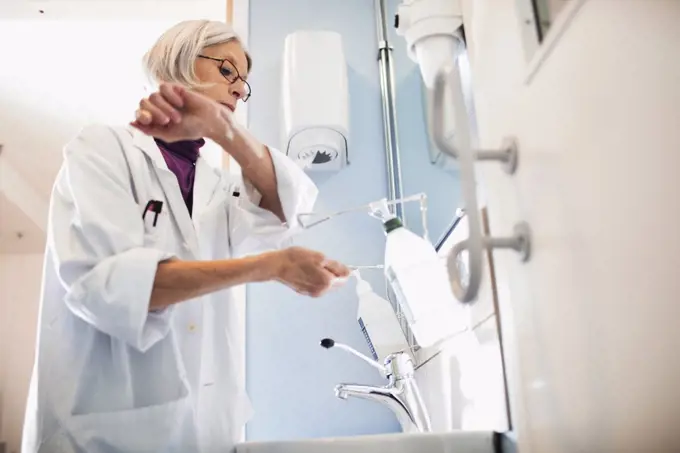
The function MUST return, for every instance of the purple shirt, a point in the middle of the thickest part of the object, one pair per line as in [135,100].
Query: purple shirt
[181,159]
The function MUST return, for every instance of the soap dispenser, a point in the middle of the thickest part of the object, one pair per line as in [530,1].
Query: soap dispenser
[420,283]
[378,322]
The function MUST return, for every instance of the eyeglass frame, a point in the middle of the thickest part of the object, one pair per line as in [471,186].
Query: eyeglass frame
[238,75]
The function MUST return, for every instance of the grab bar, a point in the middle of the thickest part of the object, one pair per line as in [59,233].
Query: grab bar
[476,243]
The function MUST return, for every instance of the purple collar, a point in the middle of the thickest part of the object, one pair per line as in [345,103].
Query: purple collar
[187,149]
[181,159]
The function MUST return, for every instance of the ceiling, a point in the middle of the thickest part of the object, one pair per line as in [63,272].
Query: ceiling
[67,64]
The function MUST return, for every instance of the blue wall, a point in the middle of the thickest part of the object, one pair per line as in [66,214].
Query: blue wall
[418,173]
[290,378]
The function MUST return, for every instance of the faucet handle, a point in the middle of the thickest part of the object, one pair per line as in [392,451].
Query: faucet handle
[330,343]
[399,365]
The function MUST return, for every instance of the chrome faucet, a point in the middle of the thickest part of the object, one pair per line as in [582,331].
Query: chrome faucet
[401,394]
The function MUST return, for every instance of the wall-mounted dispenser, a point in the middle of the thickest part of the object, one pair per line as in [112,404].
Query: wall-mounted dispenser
[434,39]
[315,100]
[431,29]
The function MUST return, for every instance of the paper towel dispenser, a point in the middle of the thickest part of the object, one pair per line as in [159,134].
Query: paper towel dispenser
[315,100]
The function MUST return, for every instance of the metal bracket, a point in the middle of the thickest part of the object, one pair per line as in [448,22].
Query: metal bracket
[520,241]
[507,155]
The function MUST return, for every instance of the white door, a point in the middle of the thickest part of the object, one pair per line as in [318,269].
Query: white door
[591,324]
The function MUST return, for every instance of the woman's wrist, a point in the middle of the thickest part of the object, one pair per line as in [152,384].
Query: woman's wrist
[269,266]
[246,150]
[220,131]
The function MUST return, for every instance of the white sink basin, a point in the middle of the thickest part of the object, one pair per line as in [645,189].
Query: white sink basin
[455,442]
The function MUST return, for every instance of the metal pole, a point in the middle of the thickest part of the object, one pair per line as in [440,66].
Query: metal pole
[394,182]
[394,188]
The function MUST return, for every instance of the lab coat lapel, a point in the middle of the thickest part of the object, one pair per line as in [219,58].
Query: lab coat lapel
[173,195]
[205,183]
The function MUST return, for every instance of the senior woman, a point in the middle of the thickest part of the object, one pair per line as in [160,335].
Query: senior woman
[135,348]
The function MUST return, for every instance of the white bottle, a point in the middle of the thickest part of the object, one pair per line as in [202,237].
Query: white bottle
[420,282]
[378,322]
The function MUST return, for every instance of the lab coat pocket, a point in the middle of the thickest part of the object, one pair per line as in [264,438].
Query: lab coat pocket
[156,230]
[167,427]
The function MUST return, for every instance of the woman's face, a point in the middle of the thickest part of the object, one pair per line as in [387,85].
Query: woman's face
[225,68]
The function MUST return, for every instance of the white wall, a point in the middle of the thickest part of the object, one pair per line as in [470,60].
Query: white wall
[20,277]
[462,386]
[461,380]
[591,322]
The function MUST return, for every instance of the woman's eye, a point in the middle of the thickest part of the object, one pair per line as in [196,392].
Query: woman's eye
[226,72]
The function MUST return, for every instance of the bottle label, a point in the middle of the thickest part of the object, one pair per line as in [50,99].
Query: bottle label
[401,297]
[368,339]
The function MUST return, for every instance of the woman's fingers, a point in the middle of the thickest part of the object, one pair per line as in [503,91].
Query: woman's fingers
[159,100]
[161,108]
[336,268]
[143,117]
[150,110]
[147,129]
[192,99]
[156,109]
[171,93]
[319,282]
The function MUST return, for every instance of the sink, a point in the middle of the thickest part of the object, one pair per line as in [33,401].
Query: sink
[453,442]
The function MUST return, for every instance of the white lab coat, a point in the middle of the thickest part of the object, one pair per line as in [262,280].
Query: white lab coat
[109,376]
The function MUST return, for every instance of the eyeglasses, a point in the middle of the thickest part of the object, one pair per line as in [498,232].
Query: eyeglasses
[229,72]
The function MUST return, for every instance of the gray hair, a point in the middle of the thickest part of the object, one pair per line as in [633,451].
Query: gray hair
[172,57]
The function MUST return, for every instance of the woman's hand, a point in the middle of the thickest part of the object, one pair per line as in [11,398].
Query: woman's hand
[174,113]
[306,271]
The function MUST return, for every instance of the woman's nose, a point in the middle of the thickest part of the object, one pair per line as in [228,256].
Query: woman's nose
[238,89]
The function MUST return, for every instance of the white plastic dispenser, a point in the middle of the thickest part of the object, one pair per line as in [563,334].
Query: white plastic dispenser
[420,283]
[315,100]
[378,322]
